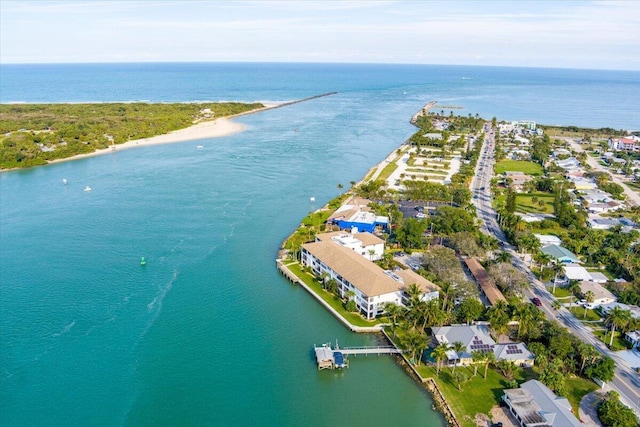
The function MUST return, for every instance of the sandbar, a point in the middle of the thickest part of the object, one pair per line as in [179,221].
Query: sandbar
[210,129]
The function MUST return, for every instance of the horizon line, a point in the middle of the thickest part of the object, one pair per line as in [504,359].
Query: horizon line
[319,62]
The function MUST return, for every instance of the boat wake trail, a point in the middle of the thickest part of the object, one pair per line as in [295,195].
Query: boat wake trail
[66,329]
[156,304]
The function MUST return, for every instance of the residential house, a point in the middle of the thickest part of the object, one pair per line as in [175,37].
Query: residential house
[576,272]
[582,184]
[561,253]
[596,196]
[598,277]
[569,164]
[372,286]
[535,405]
[601,295]
[634,310]
[548,239]
[477,338]
[517,179]
[633,337]
[599,223]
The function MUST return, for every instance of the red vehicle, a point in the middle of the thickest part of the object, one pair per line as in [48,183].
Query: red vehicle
[536,301]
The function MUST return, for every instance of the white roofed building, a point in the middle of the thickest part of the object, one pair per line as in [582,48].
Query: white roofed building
[366,244]
[535,405]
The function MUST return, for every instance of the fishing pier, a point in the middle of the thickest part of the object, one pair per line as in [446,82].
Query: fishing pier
[337,358]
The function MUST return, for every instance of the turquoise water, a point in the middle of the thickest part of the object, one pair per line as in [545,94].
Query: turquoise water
[208,332]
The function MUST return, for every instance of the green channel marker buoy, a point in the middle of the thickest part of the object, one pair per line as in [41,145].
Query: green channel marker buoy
[143,261]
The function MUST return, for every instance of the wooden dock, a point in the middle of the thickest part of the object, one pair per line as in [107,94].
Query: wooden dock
[336,358]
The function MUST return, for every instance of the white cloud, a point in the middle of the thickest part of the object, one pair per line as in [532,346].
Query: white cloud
[563,34]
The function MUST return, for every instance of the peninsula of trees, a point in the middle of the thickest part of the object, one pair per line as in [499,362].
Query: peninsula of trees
[33,134]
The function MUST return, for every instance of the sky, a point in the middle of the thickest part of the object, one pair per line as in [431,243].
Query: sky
[553,33]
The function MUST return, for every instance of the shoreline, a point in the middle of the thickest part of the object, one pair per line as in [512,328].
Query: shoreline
[217,128]
[210,129]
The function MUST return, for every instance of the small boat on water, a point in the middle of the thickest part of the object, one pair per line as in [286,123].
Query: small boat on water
[200,147]
[87,188]
[143,261]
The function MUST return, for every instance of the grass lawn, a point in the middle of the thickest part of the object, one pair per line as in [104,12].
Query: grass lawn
[477,396]
[634,186]
[330,298]
[525,203]
[619,343]
[529,168]
[560,292]
[579,313]
[387,171]
[576,389]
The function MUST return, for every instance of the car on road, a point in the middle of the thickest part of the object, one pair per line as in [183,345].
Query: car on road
[536,302]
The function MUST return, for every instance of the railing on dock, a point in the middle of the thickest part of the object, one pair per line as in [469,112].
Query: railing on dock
[369,350]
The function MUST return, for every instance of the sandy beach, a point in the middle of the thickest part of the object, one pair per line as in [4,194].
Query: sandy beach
[209,129]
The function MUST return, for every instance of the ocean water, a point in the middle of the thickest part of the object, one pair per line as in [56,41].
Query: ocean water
[208,332]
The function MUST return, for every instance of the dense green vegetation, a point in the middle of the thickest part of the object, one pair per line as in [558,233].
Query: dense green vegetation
[32,134]
[612,413]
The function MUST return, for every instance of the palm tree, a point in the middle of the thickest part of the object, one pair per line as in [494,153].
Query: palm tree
[574,288]
[588,353]
[557,305]
[414,343]
[617,317]
[458,347]
[459,378]
[414,293]
[446,290]
[489,357]
[558,268]
[393,311]
[499,318]
[543,260]
[588,297]
[503,256]
[440,353]
[477,356]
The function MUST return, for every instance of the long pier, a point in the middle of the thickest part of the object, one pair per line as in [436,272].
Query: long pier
[284,104]
[387,349]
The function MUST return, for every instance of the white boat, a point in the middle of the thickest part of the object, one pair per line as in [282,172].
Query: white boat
[199,147]
[87,188]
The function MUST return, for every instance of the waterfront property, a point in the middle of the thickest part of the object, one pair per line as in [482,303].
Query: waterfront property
[366,244]
[477,338]
[534,404]
[372,286]
[356,214]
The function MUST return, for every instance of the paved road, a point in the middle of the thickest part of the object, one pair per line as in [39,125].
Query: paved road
[626,381]
[633,198]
